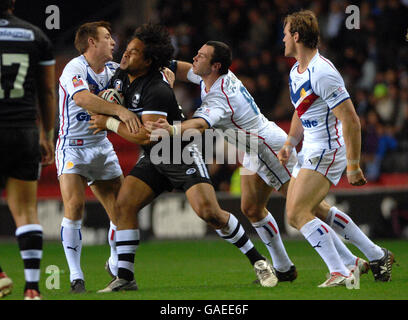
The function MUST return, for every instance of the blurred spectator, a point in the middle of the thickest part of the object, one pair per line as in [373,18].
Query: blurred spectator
[373,60]
[378,141]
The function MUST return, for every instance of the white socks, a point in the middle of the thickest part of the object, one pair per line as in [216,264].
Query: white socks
[268,231]
[318,234]
[343,225]
[345,254]
[72,242]
[113,259]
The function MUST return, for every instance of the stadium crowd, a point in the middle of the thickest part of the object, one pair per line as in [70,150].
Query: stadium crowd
[373,61]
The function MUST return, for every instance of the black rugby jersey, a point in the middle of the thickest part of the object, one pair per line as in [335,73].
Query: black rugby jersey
[149,94]
[23,48]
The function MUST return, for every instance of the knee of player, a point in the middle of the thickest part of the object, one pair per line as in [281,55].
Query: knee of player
[294,216]
[207,211]
[252,210]
[74,210]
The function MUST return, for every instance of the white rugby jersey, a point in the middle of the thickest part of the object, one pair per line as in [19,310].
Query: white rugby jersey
[230,107]
[74,121]
[314,94]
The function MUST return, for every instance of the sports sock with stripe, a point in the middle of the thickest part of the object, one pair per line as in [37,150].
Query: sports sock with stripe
[71,238]
[30,242]
[268,231]
[127,241]
[345,226]
[345,254]
[318,235]
[113,259]
[234,233]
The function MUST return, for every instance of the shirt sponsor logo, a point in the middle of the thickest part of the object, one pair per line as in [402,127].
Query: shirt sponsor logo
[309,123]
[16,34]
[83,116]
[76,142]
[191,171]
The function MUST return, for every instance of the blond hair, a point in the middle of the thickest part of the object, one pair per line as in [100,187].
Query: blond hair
[306,25]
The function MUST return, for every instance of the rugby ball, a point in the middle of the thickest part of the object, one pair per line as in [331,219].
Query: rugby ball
[114,96]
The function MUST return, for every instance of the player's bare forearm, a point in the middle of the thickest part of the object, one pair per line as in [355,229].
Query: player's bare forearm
[295,134]
[182,70]
[198,124]
[351,128]
[47,97]
[294,137]
[95,104]
[142,137]
[352,138]
[101,122]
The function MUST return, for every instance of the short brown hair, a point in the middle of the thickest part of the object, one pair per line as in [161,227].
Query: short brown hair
[306,25]
[222,54]
[86,31]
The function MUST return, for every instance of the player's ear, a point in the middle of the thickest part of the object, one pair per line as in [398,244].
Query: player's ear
[216,66]
[91,42]
[296,37]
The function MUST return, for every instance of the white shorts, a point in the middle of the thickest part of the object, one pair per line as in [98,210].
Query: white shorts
[329,162]
[98,162]
[266,163]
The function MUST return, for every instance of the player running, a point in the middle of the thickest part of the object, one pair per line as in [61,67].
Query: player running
[325,117]
[83,158]
[26,63]
[147,94]
[226,105]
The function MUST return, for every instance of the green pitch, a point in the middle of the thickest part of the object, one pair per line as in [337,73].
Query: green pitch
[202,270]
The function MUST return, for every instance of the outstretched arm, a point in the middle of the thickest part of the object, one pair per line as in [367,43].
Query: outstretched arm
[102,122]
[198,124]
[95,104]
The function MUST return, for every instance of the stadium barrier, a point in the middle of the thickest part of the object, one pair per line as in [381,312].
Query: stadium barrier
[380,213]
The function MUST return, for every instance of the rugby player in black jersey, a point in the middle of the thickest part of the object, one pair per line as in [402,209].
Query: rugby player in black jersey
[150,96]
[26,73]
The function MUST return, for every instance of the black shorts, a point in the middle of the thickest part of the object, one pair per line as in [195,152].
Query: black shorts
[20,154]
[167,177]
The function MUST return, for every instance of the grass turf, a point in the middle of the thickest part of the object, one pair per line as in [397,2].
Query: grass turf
[204,270]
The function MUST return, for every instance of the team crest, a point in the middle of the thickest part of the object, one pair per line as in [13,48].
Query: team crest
[135,100]
[117,84]
[77,81]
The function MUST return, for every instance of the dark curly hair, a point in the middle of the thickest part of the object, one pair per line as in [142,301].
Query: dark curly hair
[158,47]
